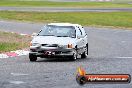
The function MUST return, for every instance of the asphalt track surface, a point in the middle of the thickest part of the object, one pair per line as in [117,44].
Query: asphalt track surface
[63,9]
[110,51]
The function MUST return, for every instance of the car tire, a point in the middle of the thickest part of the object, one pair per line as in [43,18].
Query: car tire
[74,56]
[85,53]
[32,57]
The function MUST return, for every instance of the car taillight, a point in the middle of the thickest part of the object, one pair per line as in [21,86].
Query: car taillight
[69,46]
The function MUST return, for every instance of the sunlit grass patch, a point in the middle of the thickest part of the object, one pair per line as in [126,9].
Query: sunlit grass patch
[114,19]
[12,41]
[45,3]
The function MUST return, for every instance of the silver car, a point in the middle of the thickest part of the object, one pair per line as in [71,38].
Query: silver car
[59,40]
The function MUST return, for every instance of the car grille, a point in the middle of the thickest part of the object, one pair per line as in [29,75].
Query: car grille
[56,52]
[50,45]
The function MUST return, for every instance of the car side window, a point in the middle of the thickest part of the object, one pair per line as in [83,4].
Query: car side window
[78,32]
[83,31]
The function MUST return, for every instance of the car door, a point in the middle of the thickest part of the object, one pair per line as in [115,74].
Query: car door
[84,35]
[79,39]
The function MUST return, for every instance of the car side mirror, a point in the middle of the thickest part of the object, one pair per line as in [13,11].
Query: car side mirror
[34,34]
[40,31]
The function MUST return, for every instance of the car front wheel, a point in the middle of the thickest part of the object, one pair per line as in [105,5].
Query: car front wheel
[74,56]
[32,57]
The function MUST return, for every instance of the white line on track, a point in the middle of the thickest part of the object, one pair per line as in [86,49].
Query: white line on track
[124,57]
[17,82]
[19,74]
[123,41]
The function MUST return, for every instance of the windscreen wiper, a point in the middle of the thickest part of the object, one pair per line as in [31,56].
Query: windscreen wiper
[63,36]
[46,35]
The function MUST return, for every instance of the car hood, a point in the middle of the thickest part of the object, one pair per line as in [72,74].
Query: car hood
[53,40]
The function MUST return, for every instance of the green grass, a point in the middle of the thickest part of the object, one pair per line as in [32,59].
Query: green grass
[10,41]
[115,19]
[8,46]
[63,4]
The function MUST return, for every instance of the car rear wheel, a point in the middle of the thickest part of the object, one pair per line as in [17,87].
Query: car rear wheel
[32,57]
[84,55]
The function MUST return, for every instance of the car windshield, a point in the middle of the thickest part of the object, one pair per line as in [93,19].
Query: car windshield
[58,31]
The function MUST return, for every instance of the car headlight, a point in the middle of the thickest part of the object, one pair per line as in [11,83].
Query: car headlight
[34,44]
[66,46]
[63,46]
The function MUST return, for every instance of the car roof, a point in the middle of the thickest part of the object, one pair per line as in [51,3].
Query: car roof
[63,24]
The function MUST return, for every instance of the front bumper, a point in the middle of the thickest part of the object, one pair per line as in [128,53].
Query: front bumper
[52,52]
